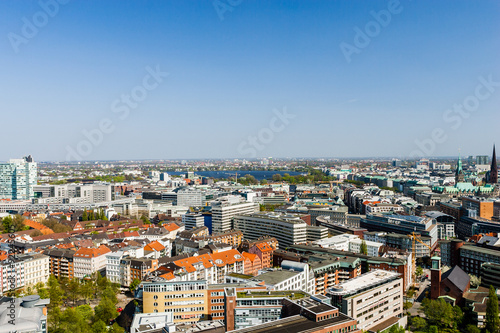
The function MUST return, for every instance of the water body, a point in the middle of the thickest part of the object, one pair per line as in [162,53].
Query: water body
[259,175]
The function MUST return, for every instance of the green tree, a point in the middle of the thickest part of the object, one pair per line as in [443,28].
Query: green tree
[433,329]
[134,284]
[145,220]
[277,177]
[442,314]
[396,329]
[115,328]
[105,311]
[418,323]
[363,248]
[91,215]
[472,329]
[99,327]
[263,182]
[18,223]
[72,321]
[419,271]
[110,294]
[85,216]
[74,289]
[492,324]
[55,292]
[85,311]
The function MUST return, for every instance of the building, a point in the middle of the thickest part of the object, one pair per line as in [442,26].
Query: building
[113,260]
[402,224]
[483,207]
[186,300]
[29,314]
[372,248]
[88,261]
[370,298]
[36,269]
[314,233]
[61,263]
[287,229]
[190,197]
[492,176]
[193,220]
[225,208]
[17,179]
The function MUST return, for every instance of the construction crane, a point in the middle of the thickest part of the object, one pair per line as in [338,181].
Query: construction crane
[415,237]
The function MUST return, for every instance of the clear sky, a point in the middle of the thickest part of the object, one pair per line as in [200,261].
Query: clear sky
[352,86]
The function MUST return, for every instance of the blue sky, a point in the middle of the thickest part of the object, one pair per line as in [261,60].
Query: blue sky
[226,76]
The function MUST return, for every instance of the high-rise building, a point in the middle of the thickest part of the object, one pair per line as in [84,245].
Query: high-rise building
[17,178]
[482,159]
[225,208]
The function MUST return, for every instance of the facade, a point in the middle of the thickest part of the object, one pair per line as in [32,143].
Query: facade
[371,298]
[193,220]
[186,300]
[287,229]
[88,261]
[36,269]
[113,266]
[402,224]
[373,248]
[225,208]
[190,197]
[17,179]
[61,263]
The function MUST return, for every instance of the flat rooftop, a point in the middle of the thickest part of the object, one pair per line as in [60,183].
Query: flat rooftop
[294,324]
[291,294]
[275,277]
[363,282]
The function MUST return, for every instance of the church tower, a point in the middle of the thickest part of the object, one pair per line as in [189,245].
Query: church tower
[493,177]
[459,173]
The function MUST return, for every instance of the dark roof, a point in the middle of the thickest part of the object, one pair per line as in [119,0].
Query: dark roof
[458,277]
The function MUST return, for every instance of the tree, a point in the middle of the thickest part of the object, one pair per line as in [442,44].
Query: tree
[99,327]
[442,314]
[363,248]
[85,311]
[492,324]
[277,177]
[85,215]
[396,329]
[263,182]
[418,323]
[472,329]
[145,220]
[55,292]
[74,289]
[91,215]
[116,329]
[72,321]
[18,223]
[36,233]
[134,284]
[419,271]
[105,311]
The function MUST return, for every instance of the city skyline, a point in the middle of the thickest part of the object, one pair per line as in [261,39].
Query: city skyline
[255,79]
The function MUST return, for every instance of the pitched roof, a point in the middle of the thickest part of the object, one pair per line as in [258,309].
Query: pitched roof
[458,277]
[249,256]
[92,253]
[154,246]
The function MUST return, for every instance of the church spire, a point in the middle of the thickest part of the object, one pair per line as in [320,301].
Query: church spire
[494,168]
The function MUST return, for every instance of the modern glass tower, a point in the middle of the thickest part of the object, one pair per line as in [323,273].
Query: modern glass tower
[17,178]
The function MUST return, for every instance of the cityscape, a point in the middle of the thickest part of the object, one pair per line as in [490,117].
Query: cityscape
[250,166]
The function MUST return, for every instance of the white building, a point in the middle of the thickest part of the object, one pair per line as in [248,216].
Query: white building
[36,269]
[190,197]
[288,229]
[193,220]
[370,298]
[88,261]
[113,266]
[373,248]
[225,208]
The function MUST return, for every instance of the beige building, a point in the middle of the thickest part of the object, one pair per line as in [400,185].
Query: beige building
[186,300]
[371,298]
[36,269]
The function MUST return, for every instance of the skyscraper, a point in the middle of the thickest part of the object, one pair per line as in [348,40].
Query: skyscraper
[17,178]
[493,174]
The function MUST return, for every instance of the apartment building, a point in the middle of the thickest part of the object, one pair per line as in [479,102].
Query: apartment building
[61,263]
[372,208]
[287,229]
[36,269]
[225,208]
[88,261]
[371,298]
[265,252]
[186,300]
[113,260]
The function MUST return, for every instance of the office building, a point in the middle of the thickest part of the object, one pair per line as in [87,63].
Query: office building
[190,197]
[17,179]
[287,229]
[225,208]
[193,220]
[370,298]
